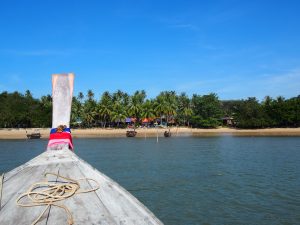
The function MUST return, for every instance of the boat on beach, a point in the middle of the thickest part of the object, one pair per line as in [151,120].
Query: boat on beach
[167,133]
[131,133]
[57,187]
[34,135]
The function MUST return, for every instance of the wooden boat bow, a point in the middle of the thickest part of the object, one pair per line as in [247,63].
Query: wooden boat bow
[108,204]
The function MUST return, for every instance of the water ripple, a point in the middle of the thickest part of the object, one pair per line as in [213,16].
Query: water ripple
[193,180]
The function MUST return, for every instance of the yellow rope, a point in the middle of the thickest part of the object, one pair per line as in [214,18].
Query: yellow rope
[48,193]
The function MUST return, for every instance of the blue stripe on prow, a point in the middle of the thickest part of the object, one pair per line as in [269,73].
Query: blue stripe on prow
[67,130]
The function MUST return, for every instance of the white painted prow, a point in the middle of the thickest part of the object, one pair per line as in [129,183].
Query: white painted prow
[62,92]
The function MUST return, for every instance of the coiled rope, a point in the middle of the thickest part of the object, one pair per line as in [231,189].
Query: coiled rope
[49,192]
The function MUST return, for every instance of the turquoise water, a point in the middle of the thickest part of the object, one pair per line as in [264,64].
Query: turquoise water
[213,180]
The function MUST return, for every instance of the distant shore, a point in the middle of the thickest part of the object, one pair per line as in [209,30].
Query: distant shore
[153,132]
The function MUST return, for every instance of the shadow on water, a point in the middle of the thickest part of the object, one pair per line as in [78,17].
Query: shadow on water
[194,180]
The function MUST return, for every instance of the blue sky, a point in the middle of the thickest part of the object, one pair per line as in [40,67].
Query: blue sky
[237,49]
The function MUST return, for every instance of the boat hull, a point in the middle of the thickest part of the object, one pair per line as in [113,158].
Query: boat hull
[110,204]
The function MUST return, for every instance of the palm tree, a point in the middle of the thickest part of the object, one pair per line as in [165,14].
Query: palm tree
[28,95]
[104,108]
[126,99]
[90,95]
[160,107]
[89,118]
[119,105]
[89,109]
[117,117]
[171,102]
[184,109]
[118,112]
[76,111]
[135,104]
[80,97]
[187,112]
[117,96]
[166,104]
[148,109]
[105,113]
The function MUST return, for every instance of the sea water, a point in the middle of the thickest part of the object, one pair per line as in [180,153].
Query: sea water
[194,180]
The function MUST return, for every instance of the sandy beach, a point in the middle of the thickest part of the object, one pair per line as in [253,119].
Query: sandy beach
[153,132]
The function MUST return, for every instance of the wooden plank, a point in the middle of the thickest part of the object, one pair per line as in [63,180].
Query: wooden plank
[11,213]
[86,208]
[111,204]
[62,91]
[42,158]
[17,170]
[15,184]
[124,207]
[50,157]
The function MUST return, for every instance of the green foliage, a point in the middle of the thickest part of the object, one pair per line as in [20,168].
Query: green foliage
[136,102]
[166,105]
[250,114]
[148,109]
[229,106]
[199,122]
[270,113]
[184,109]
[206,111]
[17,110]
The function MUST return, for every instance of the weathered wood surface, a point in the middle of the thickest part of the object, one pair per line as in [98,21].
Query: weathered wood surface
[111,204]
[1,178]
[62,91]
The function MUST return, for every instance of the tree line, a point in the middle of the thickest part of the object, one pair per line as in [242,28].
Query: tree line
[168,108]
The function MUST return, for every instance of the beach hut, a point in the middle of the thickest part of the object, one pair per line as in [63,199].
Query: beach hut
[228,121]
[146,120]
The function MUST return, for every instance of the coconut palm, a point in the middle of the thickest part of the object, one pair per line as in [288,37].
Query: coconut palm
[117,96]
[89,109]
[171,101]
[148,109]
[187,112]
[160,107]
[104,108]
[90,95]
[117,117]
[166,104]
[89,118]
[135,104]
[118,112]
[76,112]
[80,97]
[184,110]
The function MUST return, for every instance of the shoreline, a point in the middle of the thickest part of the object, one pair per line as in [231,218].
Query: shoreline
[12,134]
